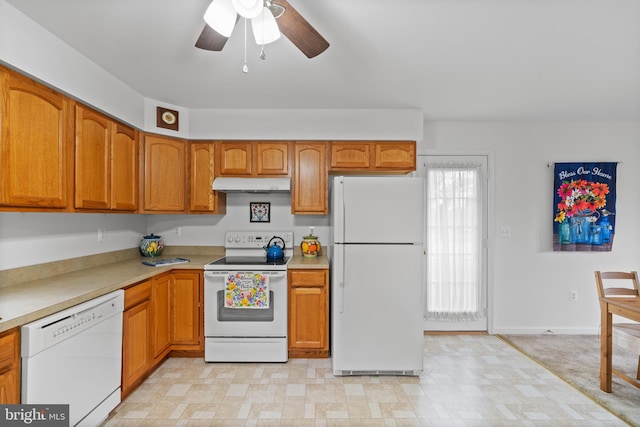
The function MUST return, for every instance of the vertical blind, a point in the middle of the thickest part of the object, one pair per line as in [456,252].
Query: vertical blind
[454,242]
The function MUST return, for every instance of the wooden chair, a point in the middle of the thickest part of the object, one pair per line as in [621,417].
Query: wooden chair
[626,284]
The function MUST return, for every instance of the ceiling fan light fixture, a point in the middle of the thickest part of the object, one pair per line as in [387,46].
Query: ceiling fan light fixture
[265,28]
[221,16]
[275,9]
[248,8]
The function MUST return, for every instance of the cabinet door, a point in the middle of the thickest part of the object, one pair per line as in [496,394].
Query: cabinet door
[395,155]
[136,345]
[92,159]
[164,174]
[185,312]
[310,186]
[124,168]
[10,367]
[350,155]
[272,158]
[36,144]
[202,197]
[235,158]
[308,313]
[160,299]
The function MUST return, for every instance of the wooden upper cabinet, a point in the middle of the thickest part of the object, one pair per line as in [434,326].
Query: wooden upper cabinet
[253,158]
[106,163]
[373,156]
[310,179]
[201,169]
[395,155]
[271,158]
[164,165]
[234,158]
[36,144]
[93,171]
[124,168]
[350,155]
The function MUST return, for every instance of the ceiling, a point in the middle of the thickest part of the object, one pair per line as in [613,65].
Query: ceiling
[453,59]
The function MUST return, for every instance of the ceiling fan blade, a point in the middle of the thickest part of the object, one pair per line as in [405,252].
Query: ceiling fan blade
[210,39]
[300,32]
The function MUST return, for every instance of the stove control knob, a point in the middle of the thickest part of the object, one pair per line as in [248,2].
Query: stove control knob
[230,238]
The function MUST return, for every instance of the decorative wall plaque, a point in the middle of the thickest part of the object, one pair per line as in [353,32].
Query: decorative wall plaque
[167,119]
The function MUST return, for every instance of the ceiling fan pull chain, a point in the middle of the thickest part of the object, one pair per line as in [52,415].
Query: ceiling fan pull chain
[245,69]
[262,54]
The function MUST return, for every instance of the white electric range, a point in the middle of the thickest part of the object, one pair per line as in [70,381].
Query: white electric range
[245,299]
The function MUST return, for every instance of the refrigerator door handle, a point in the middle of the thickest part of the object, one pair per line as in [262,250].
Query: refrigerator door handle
[339,228]
[340,268]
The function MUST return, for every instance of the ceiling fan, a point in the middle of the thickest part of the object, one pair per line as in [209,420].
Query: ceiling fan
[289,22]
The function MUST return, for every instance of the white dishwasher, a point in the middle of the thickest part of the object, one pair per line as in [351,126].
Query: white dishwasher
[74,357]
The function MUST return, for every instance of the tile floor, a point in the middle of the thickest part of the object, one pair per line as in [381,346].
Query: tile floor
[468,380]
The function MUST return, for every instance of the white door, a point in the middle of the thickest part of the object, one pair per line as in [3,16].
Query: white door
[455,265]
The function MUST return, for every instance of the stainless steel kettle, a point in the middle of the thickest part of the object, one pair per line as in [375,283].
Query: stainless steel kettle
[275,251]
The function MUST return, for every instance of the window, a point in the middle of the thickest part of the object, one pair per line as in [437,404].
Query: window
[454,288]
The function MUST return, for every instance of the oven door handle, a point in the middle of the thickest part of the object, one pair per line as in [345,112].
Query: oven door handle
[264,273]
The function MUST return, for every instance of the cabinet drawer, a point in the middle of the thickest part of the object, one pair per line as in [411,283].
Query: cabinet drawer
[137,294]
[7,350]
[308,278]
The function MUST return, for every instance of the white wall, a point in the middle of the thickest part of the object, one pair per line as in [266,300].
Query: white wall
[208,230]
[35,238]
[27,47]
[529,283]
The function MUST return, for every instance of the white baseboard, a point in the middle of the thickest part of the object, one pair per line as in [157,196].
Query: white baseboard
[538,331]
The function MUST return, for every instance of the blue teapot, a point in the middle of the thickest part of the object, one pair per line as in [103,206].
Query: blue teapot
[275,251]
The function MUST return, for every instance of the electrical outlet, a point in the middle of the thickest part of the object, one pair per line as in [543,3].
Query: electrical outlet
[102,234]
[177,231]
[573,295]
[505,231]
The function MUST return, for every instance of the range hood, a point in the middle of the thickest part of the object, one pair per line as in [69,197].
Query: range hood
[252,185]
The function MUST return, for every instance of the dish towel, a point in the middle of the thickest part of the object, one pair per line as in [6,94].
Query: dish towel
[246,290]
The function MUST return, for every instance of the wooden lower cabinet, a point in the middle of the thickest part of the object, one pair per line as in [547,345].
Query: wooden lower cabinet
[10,367]
[308,313]
[137,322]
[161,315]
[186,316]
[160,298]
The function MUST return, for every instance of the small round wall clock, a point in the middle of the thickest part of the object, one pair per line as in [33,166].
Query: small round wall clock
[167,119]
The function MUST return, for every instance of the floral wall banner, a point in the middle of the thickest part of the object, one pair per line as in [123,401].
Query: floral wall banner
[584,206]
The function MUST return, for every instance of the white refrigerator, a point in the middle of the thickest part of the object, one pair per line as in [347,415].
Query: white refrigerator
[376,276]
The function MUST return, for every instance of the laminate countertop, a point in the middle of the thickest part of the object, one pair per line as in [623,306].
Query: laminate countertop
[24,302]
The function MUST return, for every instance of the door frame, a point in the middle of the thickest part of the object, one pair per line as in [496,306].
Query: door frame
[490,227]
